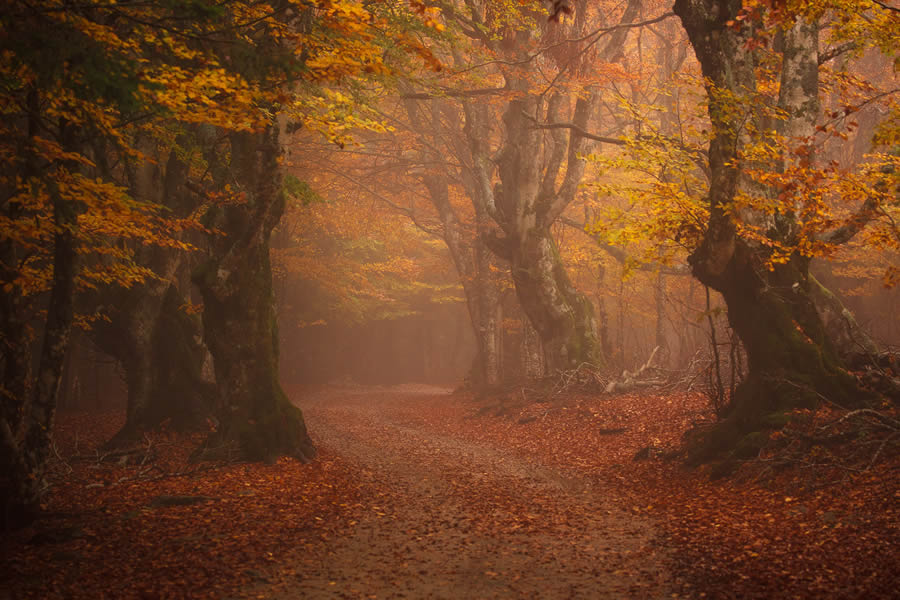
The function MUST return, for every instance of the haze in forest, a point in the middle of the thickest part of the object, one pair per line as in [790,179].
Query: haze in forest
[262,230]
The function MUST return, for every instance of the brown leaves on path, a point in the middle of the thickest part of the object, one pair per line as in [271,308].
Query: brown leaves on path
[422,492]
[179,530]
[756,535]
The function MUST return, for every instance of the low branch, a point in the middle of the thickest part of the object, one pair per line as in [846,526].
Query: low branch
[579,131]
[833,53]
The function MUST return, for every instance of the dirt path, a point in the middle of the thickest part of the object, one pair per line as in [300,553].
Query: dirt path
[447,518]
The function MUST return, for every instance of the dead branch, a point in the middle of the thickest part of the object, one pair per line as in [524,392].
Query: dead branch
[629,381]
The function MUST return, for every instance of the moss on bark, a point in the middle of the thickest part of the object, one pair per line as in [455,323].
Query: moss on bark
[792,363]
[256,420]
[560,313]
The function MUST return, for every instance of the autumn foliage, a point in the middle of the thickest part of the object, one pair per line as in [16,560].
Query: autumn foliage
[654,247]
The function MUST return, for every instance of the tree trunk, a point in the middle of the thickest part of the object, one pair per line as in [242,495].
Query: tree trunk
[257,421]
[532,353]
[156,343]
[791,360]
[25,441]
[560,313]
[146,330]
[659,297]
[524,205]
[473,261]
[840,324]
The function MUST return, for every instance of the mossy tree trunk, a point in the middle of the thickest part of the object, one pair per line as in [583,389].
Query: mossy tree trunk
[525,204]
[158,346]
[559,312]
[256,420]
[791,359]
[146,329]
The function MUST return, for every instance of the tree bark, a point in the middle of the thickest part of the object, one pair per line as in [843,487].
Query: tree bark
[792,362]
[532,353]
[25,441]
[154,341]
[256,420]
[559,312]
[157,345]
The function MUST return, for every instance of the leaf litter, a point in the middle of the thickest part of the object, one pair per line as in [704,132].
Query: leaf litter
[418,492]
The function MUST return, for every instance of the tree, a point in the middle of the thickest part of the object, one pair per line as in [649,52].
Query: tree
[74,93]
[758,258]
[145,327]
[85,87]
[532,79]
[293,47]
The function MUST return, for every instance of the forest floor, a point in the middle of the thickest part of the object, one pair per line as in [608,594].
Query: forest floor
[419,493]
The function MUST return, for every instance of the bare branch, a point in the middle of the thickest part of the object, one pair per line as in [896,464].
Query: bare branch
[833,53]
[886,6]
[454,93]
[578,130]
[698,155]
[854,224]
[598,33]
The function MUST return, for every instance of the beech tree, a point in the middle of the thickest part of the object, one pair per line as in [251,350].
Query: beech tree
[765,225]
[519,145]
[145,327]
[87,90]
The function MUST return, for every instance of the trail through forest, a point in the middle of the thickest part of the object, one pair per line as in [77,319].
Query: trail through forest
[419,493]
[458,519]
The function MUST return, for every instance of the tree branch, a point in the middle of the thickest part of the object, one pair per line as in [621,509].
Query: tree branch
[622,257]
[597,32]
[833,53]
[886,6]
[854,224]
[454,93]
[699,156]
[578,130]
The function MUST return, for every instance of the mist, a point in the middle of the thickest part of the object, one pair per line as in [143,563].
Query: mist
[457,299]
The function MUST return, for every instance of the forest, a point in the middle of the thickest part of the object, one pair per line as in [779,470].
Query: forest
[449,299]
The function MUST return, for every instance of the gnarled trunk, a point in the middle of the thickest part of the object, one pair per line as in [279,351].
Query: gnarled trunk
[154,341]
[157,344]
[524,204]
[561,314]
[257,421]
[790,357]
